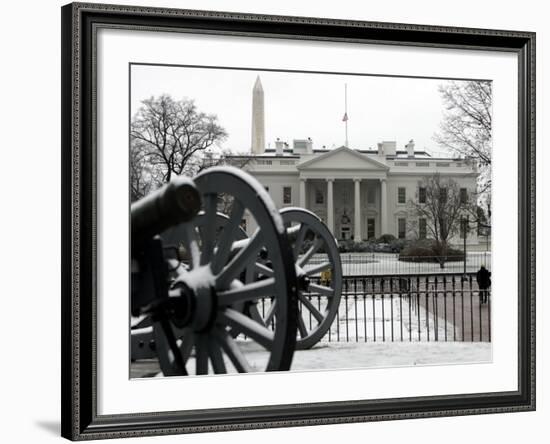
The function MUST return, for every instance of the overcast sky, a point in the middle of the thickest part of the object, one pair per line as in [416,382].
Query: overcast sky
[302,105]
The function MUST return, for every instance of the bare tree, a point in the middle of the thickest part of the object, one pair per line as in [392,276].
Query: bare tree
[144,177]
[466,128]
[442,207]
[466,125]
[169,135]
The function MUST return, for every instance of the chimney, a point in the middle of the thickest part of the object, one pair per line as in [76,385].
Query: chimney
[386,148]
[279,146]
[309,146]
[410,148]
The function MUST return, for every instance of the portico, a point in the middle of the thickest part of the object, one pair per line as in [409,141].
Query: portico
[343,187]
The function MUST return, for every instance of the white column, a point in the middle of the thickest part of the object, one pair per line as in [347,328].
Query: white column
[357,222]
[302,193]
[383,207]
[330,206]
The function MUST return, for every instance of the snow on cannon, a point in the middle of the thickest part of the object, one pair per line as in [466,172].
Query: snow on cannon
[195,273]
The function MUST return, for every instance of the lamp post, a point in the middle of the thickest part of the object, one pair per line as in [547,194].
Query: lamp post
[464,235]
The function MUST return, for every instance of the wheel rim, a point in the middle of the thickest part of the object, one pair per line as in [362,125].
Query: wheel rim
[214,276]
[318,302]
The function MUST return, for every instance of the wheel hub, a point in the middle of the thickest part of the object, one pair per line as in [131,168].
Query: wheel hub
[302,278]
[198,286]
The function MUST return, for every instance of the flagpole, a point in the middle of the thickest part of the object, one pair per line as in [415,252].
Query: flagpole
[346,111]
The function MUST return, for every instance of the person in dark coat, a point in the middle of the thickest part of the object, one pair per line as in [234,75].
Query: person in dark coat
[483,278]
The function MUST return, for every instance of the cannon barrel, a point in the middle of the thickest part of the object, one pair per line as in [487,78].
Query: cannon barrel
[177,201]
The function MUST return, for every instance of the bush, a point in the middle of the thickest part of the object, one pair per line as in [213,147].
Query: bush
[386,239]
[398,245]
[350,246]
[345,246]
[428,251]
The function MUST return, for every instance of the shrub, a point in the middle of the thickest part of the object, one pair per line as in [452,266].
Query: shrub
[350,246]
[427,251]
[345,246]
[386,238]
[397,245]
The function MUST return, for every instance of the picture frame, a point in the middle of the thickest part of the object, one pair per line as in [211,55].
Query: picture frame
[81,175]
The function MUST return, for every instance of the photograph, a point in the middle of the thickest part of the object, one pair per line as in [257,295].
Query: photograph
[300,221]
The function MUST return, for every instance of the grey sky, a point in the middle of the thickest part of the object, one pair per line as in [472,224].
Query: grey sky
[301,105]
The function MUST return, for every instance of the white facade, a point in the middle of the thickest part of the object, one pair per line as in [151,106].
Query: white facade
[355,192]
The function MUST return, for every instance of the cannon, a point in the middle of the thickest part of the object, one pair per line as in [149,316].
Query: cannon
[198,279]
[192,272]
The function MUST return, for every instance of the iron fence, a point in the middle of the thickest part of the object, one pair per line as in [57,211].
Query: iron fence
[405,308]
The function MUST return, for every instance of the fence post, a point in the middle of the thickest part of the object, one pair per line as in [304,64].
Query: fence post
[445,303]
[365,308]
[391,306]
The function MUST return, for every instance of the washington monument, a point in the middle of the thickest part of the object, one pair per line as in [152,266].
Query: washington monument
[258,122]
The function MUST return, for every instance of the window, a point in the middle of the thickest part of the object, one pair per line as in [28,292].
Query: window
[422,228]
[401,195]
[442,195]
[401,224]
[287,195]
[422,195]
[319,196]
[370,228]
[463,195]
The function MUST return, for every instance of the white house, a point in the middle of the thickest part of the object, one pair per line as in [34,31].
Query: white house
[359,194]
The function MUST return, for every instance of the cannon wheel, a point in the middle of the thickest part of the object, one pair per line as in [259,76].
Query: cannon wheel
[318,302]
[143,342]
[213,277]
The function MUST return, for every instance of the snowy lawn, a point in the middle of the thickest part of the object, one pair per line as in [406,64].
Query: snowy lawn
[387,354]
[341,355]
[368,264]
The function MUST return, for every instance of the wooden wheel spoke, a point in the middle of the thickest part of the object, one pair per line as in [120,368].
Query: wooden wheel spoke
[173,360]
[312,309]
[318,268]
[262,269]
[232,351]
[227,236]
[244,257]
[216,356]
[255,314]
[270,313]
[302,260]
[243,324]
[187,345]
[201,354]
[208,231]
[325,291]
[247,292]
[192,244]
[302,326]
[300,240]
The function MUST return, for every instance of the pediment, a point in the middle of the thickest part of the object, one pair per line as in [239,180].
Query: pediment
[342,159]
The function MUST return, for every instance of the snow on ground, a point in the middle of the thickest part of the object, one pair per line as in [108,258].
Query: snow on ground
[384,319]
[387,354]
[345,355]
